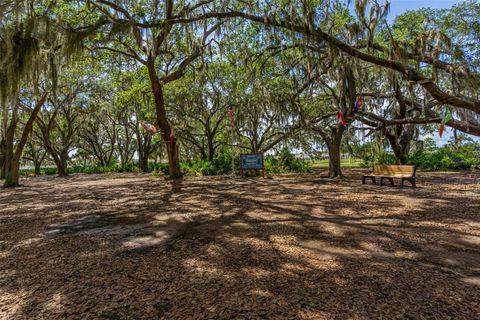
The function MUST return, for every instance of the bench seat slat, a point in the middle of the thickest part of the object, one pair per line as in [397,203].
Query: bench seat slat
[392,170]
[389,172]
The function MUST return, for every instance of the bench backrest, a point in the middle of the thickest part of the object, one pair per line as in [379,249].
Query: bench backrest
[393,169]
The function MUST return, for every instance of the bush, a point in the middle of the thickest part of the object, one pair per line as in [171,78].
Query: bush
[382,158]
[26,172]
[218,166]
[158,167]
[49,171]
[31,172]
[446,159]
[273,165]
[286,162]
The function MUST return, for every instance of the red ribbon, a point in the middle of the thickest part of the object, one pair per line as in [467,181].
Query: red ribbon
[340,116]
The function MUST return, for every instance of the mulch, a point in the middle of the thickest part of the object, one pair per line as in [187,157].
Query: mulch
[133,246]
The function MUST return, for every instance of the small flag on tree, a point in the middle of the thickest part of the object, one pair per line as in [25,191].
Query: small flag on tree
[231,115]
[171,136]
[358,104]
[149,127]
[342,118]
[447,116]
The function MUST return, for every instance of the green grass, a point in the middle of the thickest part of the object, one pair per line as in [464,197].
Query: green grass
[345,163]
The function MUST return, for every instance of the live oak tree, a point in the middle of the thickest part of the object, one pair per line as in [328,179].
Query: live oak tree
[35,154]
[32,50]
[13,148]
[98,133]
[164,49]
[134,104]
[285,67]
[311,21]
[58,125]
[340,89]
[200,103]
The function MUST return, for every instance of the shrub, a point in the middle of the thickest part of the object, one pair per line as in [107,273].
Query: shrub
[446,159]
[200,167]
[381,158]
[273,165]
[286,162]
[49,171]
[158,167]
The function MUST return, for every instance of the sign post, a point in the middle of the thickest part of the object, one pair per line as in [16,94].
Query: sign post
[252,161]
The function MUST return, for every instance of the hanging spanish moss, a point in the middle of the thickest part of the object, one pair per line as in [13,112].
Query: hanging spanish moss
[34,48]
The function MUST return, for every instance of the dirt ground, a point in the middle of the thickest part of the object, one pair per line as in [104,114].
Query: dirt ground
[131,246]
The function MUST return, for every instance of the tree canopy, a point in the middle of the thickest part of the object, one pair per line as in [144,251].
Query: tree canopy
[79,78]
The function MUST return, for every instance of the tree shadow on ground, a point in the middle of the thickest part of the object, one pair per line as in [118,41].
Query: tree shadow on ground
[292,247]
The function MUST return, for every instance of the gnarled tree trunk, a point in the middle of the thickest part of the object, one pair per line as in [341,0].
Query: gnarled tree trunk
[2,157]
[14,154]
[143,163]
[334,142]
[162,122]
[61,162]
[401,145]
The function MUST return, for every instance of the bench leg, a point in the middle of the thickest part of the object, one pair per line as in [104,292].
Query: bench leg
[389,179]
[364,179]
[411,180]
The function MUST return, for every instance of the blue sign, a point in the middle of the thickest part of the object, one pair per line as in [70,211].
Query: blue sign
[251,161]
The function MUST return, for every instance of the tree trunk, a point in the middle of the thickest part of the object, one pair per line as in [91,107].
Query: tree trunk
[334,143]
[9,157]
[2,158]
[211,149]
[62,166]
[334,168]
[173,160]
[172,148]
[60,163]
[400,152]
[38,167]
[12,175]
[142,146]
[401,145]
[13,158]
[143,163]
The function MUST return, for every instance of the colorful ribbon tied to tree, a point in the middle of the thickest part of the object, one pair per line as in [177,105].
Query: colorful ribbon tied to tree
[358,104]
[342,118]
[447,116]
[149,127]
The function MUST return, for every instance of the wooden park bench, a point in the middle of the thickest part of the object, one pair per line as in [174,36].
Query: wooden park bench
[391,172]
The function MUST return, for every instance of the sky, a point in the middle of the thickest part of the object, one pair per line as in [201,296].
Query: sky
[400,6]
